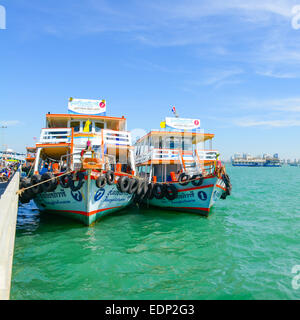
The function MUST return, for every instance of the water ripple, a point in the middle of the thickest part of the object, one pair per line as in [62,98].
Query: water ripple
[244,250]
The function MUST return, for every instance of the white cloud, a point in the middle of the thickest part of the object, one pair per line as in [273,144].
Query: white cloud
[9,123]
[221,75]
[284,104]
[278,75]
[194,9]
[267,113]
[216,78]
[267,123]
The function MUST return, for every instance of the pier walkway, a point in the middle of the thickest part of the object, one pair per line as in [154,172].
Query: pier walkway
[8,219]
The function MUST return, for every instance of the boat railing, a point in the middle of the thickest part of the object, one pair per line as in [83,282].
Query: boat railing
[114,137]
[166,155]
[207,155]
[74,160]
[56,135]
[158,154]
[30,155]
[142,158]
[67,160]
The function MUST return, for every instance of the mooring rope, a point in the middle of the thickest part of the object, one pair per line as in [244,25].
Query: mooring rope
[31,167]
[20,191]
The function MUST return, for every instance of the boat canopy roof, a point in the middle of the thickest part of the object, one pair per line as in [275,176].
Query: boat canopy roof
[196,136]
[54,152]
[61,120]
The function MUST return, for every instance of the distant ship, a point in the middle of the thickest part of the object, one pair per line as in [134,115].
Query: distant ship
[247,160]
[294,164]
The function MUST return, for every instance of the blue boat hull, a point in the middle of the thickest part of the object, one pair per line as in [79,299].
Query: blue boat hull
[256,165]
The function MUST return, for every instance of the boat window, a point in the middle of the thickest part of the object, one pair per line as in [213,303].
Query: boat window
[99,126]
[89,126]
[75,125]
[155,142]
[171,143]
[187,144]
[141,169]
[160,143]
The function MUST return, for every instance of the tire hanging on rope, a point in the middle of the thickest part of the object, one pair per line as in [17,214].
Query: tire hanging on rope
[183,179]
[228,185]
[26,196]
[51,185]
[64,181]
[134,184]
[80,183]
[101,182]
[159,190]
[171,192]
[150,194]
[197,180]
[123,184]
[110,177]
[223,195]
[36,178]
[142,189]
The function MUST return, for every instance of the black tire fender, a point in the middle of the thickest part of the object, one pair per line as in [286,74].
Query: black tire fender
[27,193]
[134,184]
[197,180]
[228,185]
[124,184]
[80,177]
[24,199]
[150,194]
[51,185]
[64,181]
[101,182]
[142,189]
[36,178]
[159,190]
[183,179]
[171,192]
[110,177]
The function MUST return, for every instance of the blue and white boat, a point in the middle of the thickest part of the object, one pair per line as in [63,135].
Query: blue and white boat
[247,160]
[81,159]
[182,169]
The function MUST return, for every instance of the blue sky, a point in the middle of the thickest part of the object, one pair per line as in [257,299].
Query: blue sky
[233,64]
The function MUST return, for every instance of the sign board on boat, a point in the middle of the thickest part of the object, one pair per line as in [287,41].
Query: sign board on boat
[86,106]
[182,124]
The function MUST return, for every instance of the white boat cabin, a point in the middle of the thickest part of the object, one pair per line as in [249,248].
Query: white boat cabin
[162,155]
[68,139]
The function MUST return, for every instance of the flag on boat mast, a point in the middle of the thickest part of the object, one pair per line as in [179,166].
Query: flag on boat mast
[174,111]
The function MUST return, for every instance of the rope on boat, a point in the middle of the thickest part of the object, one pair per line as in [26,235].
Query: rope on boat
[19,192]
[217,173]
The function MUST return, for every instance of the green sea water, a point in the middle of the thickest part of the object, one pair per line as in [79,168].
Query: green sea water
[245,249]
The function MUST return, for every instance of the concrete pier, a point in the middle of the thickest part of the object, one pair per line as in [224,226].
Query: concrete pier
[8,219]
